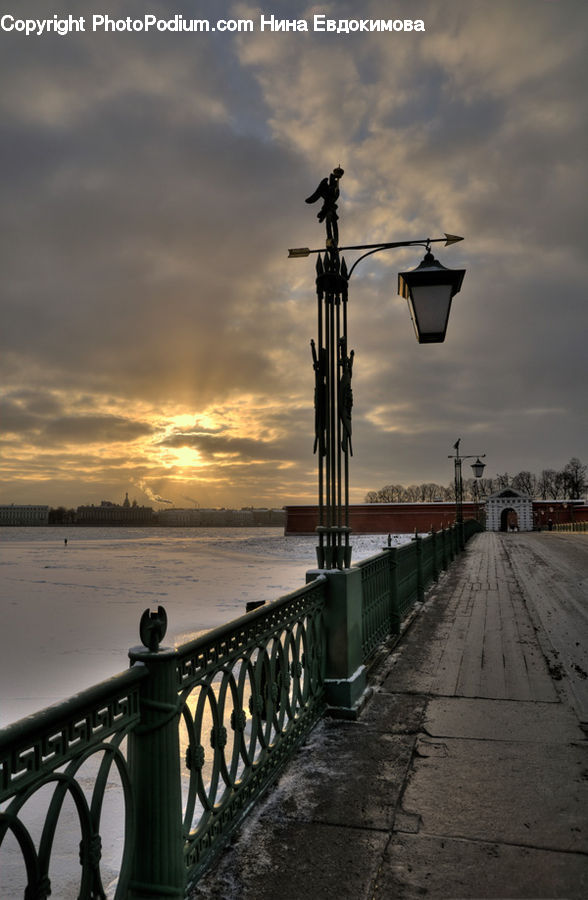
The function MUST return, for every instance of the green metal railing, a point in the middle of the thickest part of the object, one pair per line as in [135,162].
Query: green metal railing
[576,527]
[380,615]
[192,736]
[408,577]
[260,689]
[44,761]
[394,580]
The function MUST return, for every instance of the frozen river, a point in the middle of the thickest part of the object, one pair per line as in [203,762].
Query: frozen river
[71,611]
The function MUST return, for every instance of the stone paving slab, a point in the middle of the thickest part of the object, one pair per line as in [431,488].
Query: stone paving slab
[325,823]
[500,720]
[394,713]
[294,861]
[496,791]
[415,661]
[452,869]
[345,775]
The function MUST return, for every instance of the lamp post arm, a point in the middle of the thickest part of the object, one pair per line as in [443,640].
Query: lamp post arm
[299,252]
[381,247]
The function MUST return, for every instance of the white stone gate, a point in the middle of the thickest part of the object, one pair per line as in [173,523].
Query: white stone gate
[509,509]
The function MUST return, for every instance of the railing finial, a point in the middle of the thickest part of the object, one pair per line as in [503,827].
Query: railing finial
[152,628]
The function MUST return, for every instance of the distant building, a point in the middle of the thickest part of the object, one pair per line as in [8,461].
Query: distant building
[507,510]
[221,518]
[269,517]
[108,513]
[14,514]
[179,518]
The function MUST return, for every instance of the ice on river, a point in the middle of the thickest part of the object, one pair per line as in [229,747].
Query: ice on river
[71,611]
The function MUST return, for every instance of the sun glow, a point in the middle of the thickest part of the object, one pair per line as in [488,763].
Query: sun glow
[224,452]
[182,458]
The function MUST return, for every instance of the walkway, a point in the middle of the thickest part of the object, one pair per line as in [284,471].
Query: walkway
[466,776]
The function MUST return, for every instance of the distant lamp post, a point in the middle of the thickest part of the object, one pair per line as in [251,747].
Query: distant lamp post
[478,469]
[428,289]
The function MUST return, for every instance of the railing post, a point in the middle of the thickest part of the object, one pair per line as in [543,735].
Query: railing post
[444,561]
[419,562]
[158,868]
[394,601]
[434,551]
[345,674]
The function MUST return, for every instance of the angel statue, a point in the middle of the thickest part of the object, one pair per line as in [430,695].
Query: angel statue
[328,191]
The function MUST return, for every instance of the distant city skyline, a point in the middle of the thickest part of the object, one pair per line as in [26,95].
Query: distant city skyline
[156,338]
[556,484]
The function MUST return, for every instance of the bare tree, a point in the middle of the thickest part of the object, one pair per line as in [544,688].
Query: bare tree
[571,482]
[432,491]
[472,489]
[545,484]
[575,483]
[526,483]
[412,493]
[390,493]
[559,485]
[486,486]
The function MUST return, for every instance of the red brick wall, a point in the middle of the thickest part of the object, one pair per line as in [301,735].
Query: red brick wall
[559,511]
[384,518]
[403,518]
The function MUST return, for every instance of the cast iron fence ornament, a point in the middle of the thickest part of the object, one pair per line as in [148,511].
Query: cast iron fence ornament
[152,628]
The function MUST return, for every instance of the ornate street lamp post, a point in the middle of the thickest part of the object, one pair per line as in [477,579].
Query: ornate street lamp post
[429,290]
[478,469]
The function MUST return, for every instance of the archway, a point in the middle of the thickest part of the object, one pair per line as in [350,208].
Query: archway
[509,520]
[509,508]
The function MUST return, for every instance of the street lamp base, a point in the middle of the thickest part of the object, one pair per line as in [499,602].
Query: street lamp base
[334,549]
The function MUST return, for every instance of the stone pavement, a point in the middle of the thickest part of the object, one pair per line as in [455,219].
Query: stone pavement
[465,776]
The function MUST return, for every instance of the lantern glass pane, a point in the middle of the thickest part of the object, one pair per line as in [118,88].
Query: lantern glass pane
[478,468]
[430,306]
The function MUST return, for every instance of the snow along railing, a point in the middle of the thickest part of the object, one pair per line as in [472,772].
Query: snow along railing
[192,736]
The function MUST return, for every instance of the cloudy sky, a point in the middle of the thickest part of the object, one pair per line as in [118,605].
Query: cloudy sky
[154,335]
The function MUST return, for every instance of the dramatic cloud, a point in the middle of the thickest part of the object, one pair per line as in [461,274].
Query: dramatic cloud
[155,338]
